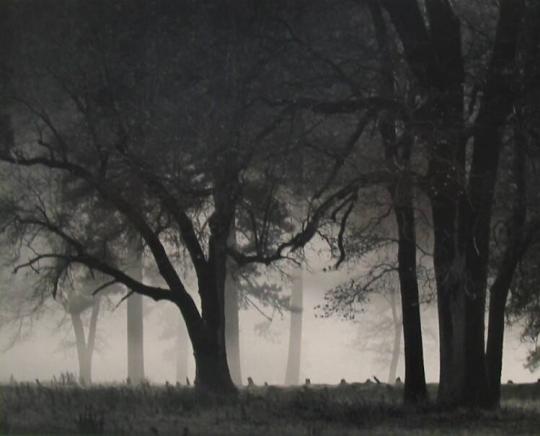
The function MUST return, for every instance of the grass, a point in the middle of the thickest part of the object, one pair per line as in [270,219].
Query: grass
[354,409]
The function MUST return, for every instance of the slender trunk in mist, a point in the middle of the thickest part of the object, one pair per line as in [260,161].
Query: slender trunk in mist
[396,351]
[85,376]
[232,323]
[292,375]
[182,352]
[85,345]
[396,346]
[135,326]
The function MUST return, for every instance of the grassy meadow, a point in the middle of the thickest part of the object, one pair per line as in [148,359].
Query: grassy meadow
[315,410]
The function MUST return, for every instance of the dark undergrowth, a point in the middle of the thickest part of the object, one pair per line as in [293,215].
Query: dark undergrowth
[40,409]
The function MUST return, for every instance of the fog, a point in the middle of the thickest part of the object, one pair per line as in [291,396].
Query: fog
[330,348]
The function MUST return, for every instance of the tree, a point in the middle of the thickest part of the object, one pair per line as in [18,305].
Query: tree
[166,135]
[398,150]
[384,334]
[75,304]
[292,372]
[462,172]
[232,322]
[135,322]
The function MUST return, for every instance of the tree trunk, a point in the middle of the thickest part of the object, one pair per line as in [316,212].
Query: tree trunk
[396,346]
[232,324]
[135,323]
[517,243]
[494,351]
[461,208]
[450,303]
[85,346]
[396,351]
[292,374]
[514,250]
[84,359]
[208,333]
[135,332]
[415,381]
[397,154]
[182,352]
[212,369]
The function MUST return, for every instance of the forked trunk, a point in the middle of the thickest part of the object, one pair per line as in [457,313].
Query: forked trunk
[85,345]
[208,332]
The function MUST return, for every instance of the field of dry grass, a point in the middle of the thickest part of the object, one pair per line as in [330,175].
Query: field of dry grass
[41,409]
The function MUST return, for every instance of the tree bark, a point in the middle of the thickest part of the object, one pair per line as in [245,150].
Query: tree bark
[292,373]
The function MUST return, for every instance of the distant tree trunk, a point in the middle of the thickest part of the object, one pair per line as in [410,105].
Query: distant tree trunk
[135,324]
[135,338]
[292,374]
[85,345]
[396,351]
[85,375]
[182,352]
[232,323]
[396,346]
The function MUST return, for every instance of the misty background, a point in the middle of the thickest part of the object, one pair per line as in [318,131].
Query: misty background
[332,348]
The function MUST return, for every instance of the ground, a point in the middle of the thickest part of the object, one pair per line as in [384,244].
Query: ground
[352,409]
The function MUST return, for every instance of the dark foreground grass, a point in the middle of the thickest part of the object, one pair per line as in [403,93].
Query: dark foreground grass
[354,409]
